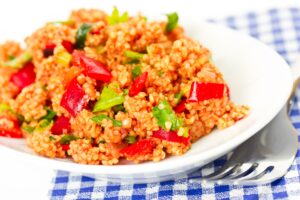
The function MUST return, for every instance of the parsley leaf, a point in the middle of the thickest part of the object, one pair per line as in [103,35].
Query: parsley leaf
[116,18]
[98,119]
[66,139]
[136,72]
[81,35]
[172,21]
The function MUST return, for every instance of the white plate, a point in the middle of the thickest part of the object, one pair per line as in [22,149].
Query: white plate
[257,76]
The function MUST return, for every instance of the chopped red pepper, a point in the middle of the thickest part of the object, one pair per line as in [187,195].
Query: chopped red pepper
[24,76]
[92,67]
[9,127]
[138,84]
[142,147]
[227,91]
[49,50]
[171,136]
[205,91]
[180,107]
[74,99]
[65,147]
[61,123]
[69,46]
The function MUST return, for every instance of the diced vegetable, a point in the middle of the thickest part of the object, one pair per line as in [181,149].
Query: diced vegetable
[130,139]
[142,147]
[74,99]
[172,136]
[98,119]
[24,77]
[63,58]
[11,57]
[166,117]
[92,67]
[60,124]
[108,99]
[51,138]
[160,73]
[178,97]
[205,91]
[19,61]
[4,107]
[65,147]
[172,21]
[44,123]
[116,18]
[81,35]
[28,129]
[136,71]
[138,84]
[66,139]
[69,46]
[180,107]
[50,114]
[118,108]
[133,55]
[49,50]
[9,127]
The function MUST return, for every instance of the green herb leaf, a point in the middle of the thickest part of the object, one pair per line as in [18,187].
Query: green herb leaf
[133,55]
[136,72]
[102,142]
[178,97]
[66,139]
[160,73]
[98,119]
[118,108]
[116,18]
[172,21]
[4,107]
[126,91]
[44,123]
[165,115]
[11,57]
[81,35]
[18,62]
[51,138]
[108,99]
[28,129]
[50,114]
[130,139]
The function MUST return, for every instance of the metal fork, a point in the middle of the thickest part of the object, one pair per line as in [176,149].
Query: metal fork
[267,155]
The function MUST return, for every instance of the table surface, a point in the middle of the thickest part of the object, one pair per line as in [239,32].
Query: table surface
[20,180]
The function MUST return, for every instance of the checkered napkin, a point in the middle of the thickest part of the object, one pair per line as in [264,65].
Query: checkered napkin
[278,28]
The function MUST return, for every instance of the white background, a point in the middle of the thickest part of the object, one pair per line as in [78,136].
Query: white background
[19,180]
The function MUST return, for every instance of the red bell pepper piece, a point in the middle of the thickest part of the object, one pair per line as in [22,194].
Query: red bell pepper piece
[74,99]
[9,127]
[60,124]
[24,76]
[142,147]
[138,84]
[65,147]
[171,136]
[205,91]
[180,107]
[69,46]
[92,67]
[49,50]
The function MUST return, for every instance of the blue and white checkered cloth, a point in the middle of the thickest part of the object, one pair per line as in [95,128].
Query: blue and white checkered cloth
[278,28]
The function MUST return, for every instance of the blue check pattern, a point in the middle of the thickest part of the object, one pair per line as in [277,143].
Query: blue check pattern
[278,28]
